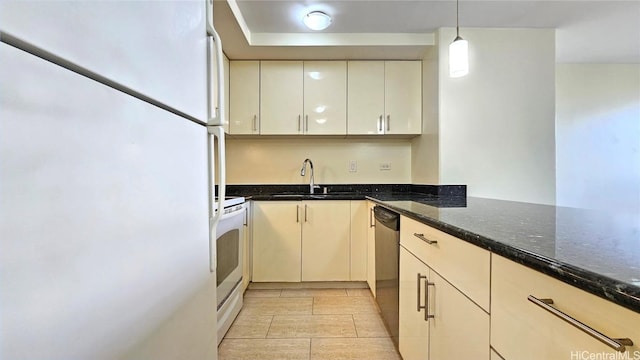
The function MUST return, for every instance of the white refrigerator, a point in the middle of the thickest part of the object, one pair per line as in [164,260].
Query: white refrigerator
[106,176]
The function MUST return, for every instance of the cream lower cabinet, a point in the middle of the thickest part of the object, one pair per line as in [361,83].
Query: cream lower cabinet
[301,241]
[276,241]
[246,250]
[523,330]
[325,240]
[495,356]
[434,280]
[371,248]
[359,233]
[436,320]
[414,328]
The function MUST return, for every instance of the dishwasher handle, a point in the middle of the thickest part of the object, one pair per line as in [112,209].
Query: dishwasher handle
[387,218]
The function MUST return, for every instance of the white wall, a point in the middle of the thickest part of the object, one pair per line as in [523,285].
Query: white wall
[598,136]
[425,155]
[278,161]
[497,123]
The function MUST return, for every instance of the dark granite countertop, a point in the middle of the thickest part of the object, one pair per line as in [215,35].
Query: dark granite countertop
[595,251]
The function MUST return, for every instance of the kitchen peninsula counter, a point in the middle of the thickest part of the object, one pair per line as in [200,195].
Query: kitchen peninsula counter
[598,252]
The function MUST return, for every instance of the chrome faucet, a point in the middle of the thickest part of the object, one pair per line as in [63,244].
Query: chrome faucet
[302,172]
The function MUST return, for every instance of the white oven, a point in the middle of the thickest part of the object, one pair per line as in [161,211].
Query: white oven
[229,248]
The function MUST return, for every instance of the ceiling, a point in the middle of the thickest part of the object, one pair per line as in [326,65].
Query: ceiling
[586,31]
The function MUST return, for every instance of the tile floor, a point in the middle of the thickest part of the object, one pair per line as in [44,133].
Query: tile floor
[309,324]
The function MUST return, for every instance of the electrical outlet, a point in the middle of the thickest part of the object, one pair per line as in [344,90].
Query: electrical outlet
[353,166]
[385,166]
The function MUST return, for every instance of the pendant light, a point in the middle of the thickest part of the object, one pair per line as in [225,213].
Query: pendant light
[458,53]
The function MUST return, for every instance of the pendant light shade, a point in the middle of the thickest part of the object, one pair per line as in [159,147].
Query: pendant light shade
[458,53]
[458,57]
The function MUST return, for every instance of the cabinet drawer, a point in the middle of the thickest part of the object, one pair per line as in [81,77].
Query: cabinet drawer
[464,265]
[521,329]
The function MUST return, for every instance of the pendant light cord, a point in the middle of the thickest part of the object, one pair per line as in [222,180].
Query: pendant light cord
[457,21]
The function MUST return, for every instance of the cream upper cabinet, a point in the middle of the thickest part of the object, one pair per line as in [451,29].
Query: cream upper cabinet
[301,241]
[325,97]
[384,97]
[365,98]
[371,248]
[414,327]
[281,97]
[359,228]
[244,98]
[303,98]
[522,329]
[403,97]
[276,241]
[325,240]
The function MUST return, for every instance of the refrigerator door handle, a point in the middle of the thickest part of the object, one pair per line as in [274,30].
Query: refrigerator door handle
[214,49]
[217,157]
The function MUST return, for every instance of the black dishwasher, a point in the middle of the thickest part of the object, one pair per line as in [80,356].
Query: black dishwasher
[387,267]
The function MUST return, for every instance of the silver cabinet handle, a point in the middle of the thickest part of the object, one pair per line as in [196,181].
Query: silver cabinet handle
[299,118]
[246,217]
[421,237]
[388,122]
[297,213]
[380,123]
[305,212]
[255,122]
[616,344]
[371,222]
[306,123]
[420,307]
[426,299]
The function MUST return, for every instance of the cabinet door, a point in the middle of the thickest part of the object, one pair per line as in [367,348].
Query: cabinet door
[244,97]
[276,241]
[157,48]
[403,97]
[371,248]
[325,97]
[521,329]
[365,97]
[414,329]
[459,328]
[281,94]
[359,228]
[325,240]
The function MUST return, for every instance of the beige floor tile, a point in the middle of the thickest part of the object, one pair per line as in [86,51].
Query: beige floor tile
[264,349]
[353,349]
[359,292]
[313,292]
[370,325]
[249,327]
[344,305]
[262,293]
[277,306]
[312,326]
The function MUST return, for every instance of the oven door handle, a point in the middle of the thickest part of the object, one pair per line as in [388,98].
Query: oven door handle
[215,154]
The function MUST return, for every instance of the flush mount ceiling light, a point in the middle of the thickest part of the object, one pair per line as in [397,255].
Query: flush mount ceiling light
[317,20]
[458,53]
